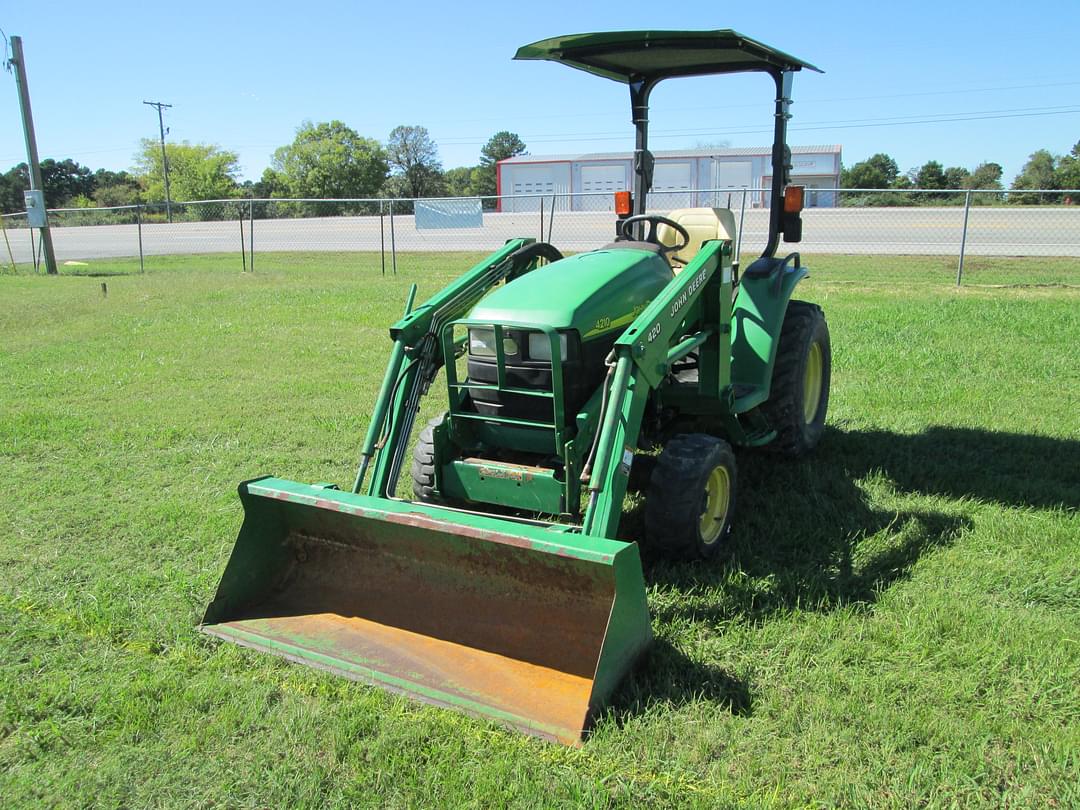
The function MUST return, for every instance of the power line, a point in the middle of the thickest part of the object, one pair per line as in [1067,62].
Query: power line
[840,124]
[471,140]
[856,123]
[803,102]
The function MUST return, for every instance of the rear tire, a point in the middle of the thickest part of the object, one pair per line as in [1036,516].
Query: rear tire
[691,497]
[799,394]
[423,464]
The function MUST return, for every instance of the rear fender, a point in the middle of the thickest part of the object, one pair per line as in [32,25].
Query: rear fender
[757,319]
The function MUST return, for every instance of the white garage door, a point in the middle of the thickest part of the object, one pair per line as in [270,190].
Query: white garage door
[732,174]
[671,187]
[603,181]
[528,180]
[533,180]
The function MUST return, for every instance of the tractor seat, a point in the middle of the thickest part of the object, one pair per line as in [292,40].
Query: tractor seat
[702,224]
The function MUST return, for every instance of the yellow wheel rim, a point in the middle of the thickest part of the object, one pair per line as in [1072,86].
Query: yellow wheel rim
[812,381]
[717,501]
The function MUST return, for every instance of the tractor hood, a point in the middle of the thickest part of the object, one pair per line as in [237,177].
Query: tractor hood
[594,293]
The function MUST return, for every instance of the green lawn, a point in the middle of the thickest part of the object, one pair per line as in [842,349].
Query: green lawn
[861,269]
[898,626]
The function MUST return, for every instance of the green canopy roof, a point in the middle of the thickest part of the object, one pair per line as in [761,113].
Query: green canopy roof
[654,55]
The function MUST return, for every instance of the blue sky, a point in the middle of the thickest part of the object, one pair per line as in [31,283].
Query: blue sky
[244,75]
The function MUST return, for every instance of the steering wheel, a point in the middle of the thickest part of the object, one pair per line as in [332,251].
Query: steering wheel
[654,220]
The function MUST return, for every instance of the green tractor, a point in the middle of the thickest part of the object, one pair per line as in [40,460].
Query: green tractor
[501,588]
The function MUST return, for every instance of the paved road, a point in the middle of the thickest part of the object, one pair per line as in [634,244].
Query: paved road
[920,231]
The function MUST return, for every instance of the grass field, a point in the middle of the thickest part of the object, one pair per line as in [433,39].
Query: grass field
[861,269]
[899,625]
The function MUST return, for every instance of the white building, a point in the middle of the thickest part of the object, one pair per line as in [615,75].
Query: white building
[681,178]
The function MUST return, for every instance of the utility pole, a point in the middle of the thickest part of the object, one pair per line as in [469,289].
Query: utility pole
[164,158]
[18,62]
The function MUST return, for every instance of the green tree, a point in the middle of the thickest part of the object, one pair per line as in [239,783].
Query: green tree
[500,146]
[461,181]
[414,158]
[115,188]
[985,175]
[1068,170]
[956,177]
[930,175]
[1040,172]
[197,171]
[13,183]
[271,184]
[877,171]
[906,180]
[64,180]
[328,159]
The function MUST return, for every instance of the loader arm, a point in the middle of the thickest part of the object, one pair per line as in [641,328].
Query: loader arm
[665,332]
[416,357]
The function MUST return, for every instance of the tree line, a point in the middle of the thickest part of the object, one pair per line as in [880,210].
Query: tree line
[1043,170]
[325,160]
[330,160]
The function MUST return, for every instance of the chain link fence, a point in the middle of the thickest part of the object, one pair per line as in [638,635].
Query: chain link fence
[941,233]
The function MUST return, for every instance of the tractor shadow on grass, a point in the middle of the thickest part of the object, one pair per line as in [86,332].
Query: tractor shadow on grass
[819,533]
[667,677]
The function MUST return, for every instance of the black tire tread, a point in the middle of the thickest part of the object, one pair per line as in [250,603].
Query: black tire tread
[783,410]
[423,464]
[673,500]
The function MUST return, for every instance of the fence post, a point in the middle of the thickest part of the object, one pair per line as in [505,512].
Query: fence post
[138,221]
[742,218]
[963,238]
[382,238]
[393,241]
[243,252]
[251,232]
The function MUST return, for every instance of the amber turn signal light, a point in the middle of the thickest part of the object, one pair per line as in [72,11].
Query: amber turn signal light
[793,199]
[622,203]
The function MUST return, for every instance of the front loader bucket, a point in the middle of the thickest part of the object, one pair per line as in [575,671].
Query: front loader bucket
[530,625]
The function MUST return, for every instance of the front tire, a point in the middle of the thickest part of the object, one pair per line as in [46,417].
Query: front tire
[799,393]
[691,497]
[423,464]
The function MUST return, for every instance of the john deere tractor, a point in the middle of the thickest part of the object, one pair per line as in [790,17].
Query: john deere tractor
[502,587]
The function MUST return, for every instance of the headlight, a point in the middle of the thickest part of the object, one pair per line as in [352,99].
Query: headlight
[482,343]
[540,346]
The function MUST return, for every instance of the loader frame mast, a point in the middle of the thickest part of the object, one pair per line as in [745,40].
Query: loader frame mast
[416,358]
